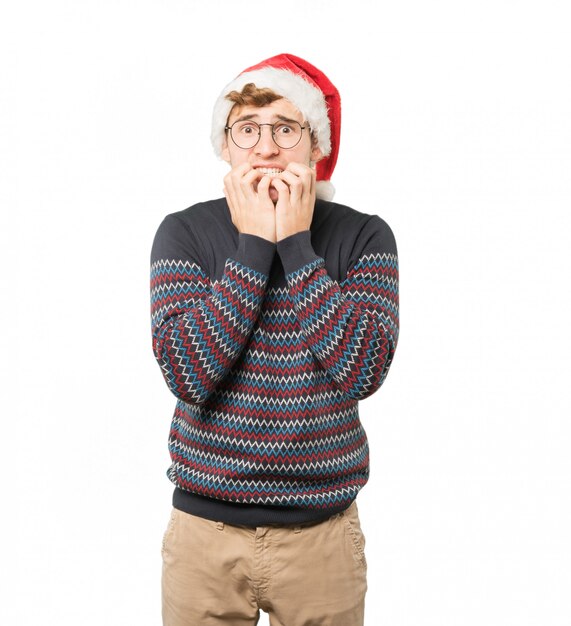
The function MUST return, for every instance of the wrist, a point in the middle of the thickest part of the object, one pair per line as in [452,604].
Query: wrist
[262,234]
[284,233]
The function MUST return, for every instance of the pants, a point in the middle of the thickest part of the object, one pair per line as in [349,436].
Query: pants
[313,574]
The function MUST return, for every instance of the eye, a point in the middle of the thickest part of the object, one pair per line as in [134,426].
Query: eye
[283,129]
[248,128]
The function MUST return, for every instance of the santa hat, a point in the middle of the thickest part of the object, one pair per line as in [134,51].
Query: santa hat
[309,90]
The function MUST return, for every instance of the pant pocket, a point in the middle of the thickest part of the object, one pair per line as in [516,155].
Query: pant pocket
[355,533]
[169,531]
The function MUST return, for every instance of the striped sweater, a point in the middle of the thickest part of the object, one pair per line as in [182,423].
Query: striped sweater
[268,349]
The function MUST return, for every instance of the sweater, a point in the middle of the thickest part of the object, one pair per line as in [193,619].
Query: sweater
[268,349]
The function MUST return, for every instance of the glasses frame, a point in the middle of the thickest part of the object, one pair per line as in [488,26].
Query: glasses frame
[229,128]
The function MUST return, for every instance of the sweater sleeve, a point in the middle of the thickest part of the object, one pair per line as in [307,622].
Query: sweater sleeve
[350,327]
[199,329]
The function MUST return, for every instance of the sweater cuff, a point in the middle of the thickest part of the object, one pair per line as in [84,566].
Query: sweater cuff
[296,251]
[255,252]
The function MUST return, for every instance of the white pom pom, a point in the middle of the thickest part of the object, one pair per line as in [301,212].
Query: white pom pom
[324,190]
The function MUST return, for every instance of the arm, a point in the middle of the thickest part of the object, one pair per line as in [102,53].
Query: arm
[352,327]
[199,329]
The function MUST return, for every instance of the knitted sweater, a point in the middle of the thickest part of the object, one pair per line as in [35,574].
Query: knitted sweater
[268,349]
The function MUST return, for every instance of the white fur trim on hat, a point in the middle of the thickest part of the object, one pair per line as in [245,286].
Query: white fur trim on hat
[303,95]
[324,190]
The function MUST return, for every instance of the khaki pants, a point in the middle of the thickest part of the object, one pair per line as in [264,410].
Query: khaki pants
[306,575]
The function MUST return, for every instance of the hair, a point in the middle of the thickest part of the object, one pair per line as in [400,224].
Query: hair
[257,97]
[253,96]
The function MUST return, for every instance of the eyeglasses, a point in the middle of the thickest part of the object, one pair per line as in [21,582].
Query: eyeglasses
[246,134]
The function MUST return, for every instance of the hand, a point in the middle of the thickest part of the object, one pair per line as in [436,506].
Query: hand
[251,208]
[296,199]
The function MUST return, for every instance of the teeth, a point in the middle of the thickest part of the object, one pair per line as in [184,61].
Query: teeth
[269,170]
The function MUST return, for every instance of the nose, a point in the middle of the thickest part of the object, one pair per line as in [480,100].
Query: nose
[266,146]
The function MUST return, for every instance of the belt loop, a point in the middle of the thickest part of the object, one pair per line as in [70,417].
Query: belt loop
[220,525]
[297,529]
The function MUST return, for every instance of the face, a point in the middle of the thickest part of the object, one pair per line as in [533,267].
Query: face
[266,154]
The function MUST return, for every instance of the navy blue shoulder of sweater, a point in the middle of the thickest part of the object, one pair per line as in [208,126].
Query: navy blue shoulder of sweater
[204,234]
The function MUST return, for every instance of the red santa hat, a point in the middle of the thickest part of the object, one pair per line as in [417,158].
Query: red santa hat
[309,90]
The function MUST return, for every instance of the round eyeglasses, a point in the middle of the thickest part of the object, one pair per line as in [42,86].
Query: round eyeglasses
[246,134]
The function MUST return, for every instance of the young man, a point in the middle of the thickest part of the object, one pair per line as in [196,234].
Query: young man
[273,314]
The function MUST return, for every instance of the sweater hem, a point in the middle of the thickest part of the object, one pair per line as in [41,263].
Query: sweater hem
[242,514]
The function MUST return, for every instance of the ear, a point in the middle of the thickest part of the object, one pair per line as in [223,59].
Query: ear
[316,154]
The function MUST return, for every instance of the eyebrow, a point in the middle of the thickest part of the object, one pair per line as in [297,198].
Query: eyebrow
[282,118]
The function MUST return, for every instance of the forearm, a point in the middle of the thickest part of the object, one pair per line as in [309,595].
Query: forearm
[352,328]
[199,329]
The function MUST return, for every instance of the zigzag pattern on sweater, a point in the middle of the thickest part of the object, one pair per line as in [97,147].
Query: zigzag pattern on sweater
[268,380]
[200,335]
[352,328]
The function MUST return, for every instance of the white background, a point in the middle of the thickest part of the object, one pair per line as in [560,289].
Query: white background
[456,130]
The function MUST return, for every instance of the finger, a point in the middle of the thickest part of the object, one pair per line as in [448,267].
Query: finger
[307,174]
[295,184]
[264,188]
[230,192]
[240,170]
[309,183]
[230,182]
[251,176]
[238,173]
[282,189]
[235,199]
[247,183]
[297,168]
[303,171]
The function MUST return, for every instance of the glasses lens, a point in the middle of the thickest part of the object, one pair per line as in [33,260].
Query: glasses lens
[287,134]
[245,134]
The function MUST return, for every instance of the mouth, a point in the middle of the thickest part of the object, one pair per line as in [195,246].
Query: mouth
[269,170]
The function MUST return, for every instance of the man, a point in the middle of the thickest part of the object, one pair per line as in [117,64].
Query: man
[273,314]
